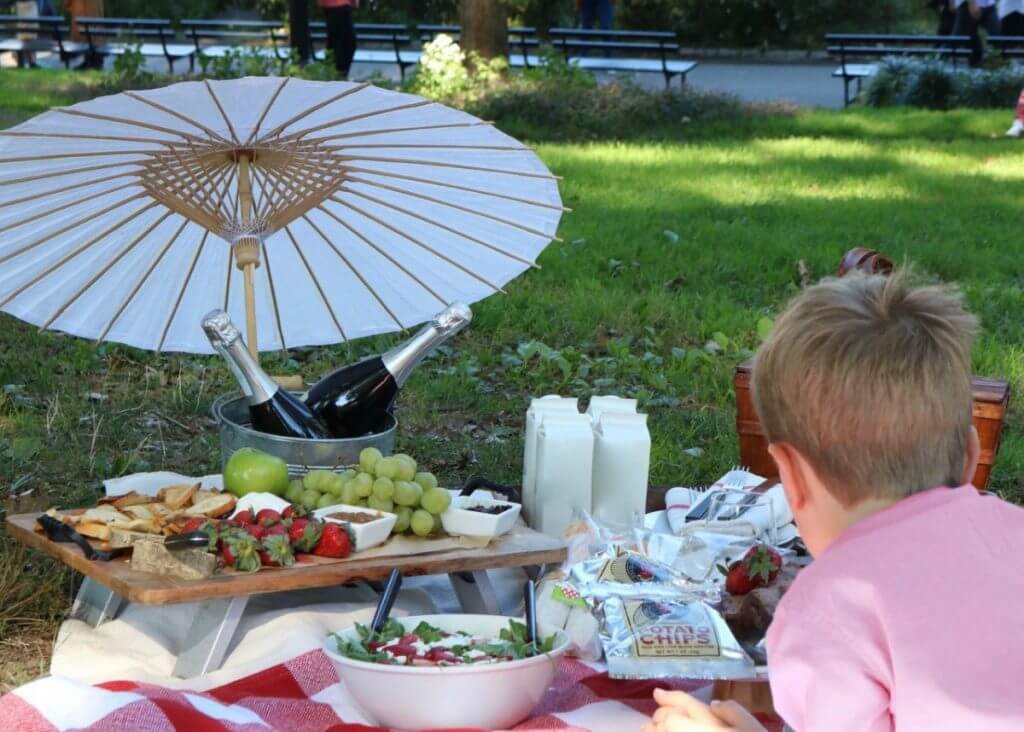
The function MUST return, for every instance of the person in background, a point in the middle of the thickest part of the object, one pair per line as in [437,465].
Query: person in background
[1017,128]
[1011,17]
[947,16]
[971,15]
[85,9]
[907,619]
[601,10]
[341,32]
[31,9]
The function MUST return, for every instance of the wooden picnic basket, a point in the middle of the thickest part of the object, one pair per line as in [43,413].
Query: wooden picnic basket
[991,399]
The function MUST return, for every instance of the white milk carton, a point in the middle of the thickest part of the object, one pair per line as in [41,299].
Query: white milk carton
[565,461]
[601,404]
[622,460]
[550,404]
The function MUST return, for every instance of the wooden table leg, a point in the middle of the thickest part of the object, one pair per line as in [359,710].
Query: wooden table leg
[208,639]
[475,592]
[95,604]
[755,696]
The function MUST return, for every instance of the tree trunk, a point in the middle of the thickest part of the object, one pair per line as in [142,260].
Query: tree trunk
[298,30]
[484,27]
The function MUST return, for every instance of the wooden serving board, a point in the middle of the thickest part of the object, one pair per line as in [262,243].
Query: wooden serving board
[521,547]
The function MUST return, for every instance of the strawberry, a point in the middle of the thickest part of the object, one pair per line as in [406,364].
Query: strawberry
[243,518]
[208,527]
[193,524]
[242,553]
[276,551]
[304,534]
[268,517]
[758,568]
[256,531]
[278,529]
[294,511]
[334,542]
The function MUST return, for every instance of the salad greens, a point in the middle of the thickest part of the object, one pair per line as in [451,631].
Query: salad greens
[427,645]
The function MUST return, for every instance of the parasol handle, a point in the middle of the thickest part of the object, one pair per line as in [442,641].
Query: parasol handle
[247,255]
[247,259]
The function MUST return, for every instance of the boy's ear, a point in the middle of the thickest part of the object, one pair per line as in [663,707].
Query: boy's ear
[792,472]
[972,457]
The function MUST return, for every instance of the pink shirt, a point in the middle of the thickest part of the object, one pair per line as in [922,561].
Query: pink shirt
[912,620]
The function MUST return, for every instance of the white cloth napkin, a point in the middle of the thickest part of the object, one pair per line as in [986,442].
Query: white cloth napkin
[756,522]
[149,484]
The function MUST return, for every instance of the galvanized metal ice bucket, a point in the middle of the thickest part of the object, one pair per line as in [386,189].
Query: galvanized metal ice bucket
[302,455]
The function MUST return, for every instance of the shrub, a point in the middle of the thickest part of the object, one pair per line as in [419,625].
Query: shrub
[886,87]
[933,85]
[552,109]
[129,69]
[447,73]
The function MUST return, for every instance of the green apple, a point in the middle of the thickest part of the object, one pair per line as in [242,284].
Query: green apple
[251,471]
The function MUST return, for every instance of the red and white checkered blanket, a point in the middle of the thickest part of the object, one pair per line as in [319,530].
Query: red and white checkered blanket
[302,695]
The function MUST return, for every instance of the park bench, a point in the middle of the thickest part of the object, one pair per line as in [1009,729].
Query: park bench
[1010,48]
[376,43]
[25,35]
[860,47]
[218,38]
[630,51]
[152,37]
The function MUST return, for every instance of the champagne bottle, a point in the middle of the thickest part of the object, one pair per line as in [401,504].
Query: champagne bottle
[357,399]
[271,408]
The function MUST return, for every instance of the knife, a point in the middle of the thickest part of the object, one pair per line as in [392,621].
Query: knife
[192,540]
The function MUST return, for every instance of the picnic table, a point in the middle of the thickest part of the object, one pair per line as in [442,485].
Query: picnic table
[223,598]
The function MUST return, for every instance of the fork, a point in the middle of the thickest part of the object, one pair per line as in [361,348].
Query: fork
[700,510]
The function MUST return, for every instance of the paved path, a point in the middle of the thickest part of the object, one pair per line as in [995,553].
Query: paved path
[809,85]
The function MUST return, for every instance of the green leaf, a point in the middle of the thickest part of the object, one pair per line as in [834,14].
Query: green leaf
[25,448]
[427,632]
[518,630]
[391,630]
[721,339]
[764,328]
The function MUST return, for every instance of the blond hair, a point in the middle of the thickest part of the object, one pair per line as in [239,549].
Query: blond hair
[870,379]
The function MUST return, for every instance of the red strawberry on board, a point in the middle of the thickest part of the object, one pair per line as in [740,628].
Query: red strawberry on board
[193,524]
[242,553]
[294,511]
[758,568]
[256,531]
[277,530]
[277,551]
[243,518]
[334,542]
[304,534]
[268,517]
[201,523]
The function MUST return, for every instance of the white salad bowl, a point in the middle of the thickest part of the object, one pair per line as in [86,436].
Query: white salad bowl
[488,696]
[370,534]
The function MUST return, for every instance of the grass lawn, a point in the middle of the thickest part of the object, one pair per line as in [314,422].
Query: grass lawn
[672,244]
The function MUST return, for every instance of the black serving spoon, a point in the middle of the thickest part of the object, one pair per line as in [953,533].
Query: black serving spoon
[477,482]
[530,601]
[58,531]
[386,602]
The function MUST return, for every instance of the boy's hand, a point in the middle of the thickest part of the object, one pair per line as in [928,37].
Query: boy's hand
[680,712]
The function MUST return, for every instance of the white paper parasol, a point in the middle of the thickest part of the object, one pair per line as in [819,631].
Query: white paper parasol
[319,212]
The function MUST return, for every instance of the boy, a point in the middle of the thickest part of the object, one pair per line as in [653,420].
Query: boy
[911,617]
